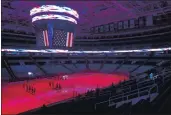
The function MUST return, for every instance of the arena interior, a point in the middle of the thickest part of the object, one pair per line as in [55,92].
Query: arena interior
[111,57]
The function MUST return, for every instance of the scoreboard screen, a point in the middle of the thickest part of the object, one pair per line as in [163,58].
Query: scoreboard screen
[53,8]
[54,16]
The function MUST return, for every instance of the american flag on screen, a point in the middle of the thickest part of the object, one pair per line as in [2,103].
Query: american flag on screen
[62,38]
[46,37]
[40,40]
[69,39]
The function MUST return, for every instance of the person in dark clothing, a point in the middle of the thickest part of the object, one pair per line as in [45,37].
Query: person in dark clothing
[24,85]
[27,88]
[44,107]
[112,84]
[113,90]
[50,84]
[31,90]
[60,86]
[34,90]
[57,86]
[97,92]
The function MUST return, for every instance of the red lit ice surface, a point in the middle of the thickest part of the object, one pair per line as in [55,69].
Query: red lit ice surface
[15,99]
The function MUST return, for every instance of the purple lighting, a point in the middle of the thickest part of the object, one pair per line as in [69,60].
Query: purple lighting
[54,16]
[53,8]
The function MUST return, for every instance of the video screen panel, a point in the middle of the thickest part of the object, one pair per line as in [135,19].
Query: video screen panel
[101,29]
[92,30]
[120,25]
[132,25]
[142,21]
[115,26]
[106,28]
[96,30]
[111,27]
[126,24]
[149,20]
[136,22]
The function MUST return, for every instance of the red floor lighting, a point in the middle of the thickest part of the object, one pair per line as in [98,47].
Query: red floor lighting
[15,99]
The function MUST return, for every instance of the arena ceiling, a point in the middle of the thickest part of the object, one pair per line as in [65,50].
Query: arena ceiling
[15,13]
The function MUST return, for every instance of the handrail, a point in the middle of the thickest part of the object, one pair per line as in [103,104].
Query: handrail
[95,106]
[138,89]
[142,83]
[148,90]
[129,92]
[154,85]
[105,92]
[137,83]
[129,95]
[138,92]
[126,86]
[122,95]
[146,80]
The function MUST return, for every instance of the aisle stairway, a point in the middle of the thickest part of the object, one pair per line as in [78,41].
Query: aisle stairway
[8,68]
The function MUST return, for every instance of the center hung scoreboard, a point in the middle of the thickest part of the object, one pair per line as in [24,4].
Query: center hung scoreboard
[54,25]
